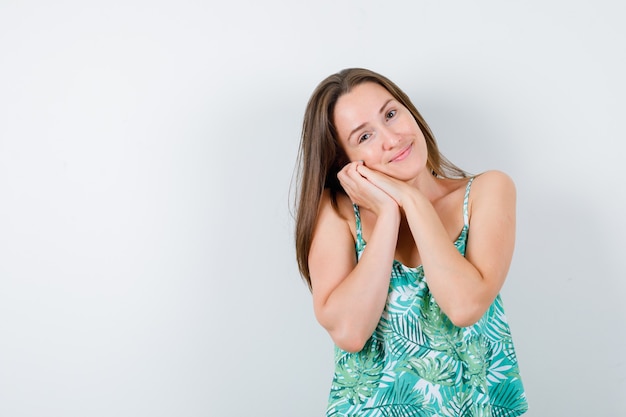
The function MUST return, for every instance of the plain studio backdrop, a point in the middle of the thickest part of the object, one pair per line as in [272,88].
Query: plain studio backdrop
[146,157]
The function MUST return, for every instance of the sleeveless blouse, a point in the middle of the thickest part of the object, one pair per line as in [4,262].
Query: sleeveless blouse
[418,363]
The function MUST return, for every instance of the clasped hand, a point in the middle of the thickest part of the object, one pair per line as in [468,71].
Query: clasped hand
[372,189]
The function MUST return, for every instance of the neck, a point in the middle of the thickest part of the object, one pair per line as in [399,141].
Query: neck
[431,187]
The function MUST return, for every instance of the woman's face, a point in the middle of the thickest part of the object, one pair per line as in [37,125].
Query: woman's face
[374,127]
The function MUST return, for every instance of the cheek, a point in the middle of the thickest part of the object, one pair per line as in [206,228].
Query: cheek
[358,154]
[369,156]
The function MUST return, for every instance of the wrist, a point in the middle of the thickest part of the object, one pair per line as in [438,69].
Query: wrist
[409,199]
[389,212]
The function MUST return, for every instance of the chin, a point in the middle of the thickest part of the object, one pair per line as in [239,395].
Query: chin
[406,175]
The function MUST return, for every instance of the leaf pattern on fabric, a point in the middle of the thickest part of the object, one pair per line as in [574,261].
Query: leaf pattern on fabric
[400,401]
[358,377]
[435,370]
[419,364]
[464,404]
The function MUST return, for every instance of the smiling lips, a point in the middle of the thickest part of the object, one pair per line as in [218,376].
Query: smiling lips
[402,154]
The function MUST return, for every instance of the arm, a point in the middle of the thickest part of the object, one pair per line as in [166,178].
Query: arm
[349,297]
[465,287]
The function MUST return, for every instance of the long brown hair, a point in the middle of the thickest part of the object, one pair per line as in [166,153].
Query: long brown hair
[321,156]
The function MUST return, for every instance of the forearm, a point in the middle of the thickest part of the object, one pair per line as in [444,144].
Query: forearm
[353,309]
[456,284]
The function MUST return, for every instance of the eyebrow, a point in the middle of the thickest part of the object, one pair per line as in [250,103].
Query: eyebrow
[359,127]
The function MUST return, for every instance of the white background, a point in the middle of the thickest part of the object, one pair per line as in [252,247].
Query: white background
[146,152]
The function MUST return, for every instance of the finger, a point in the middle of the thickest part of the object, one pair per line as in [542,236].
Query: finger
[352,166]
[352,171]
[365,171]
[372,174]
[347,178]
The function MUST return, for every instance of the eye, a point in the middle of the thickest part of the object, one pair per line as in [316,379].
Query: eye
[390,114]
[364,137]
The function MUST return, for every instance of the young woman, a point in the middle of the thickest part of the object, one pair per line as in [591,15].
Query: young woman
[405,255]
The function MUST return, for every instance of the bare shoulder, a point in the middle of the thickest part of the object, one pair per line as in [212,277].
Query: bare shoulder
[331,256]
[342,208]
[338,214]
[493,194]
[493,182]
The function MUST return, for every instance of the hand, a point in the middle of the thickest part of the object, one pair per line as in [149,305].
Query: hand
[363,192]
[396,189]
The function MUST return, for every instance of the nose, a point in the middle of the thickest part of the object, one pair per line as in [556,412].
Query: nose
[389,139]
